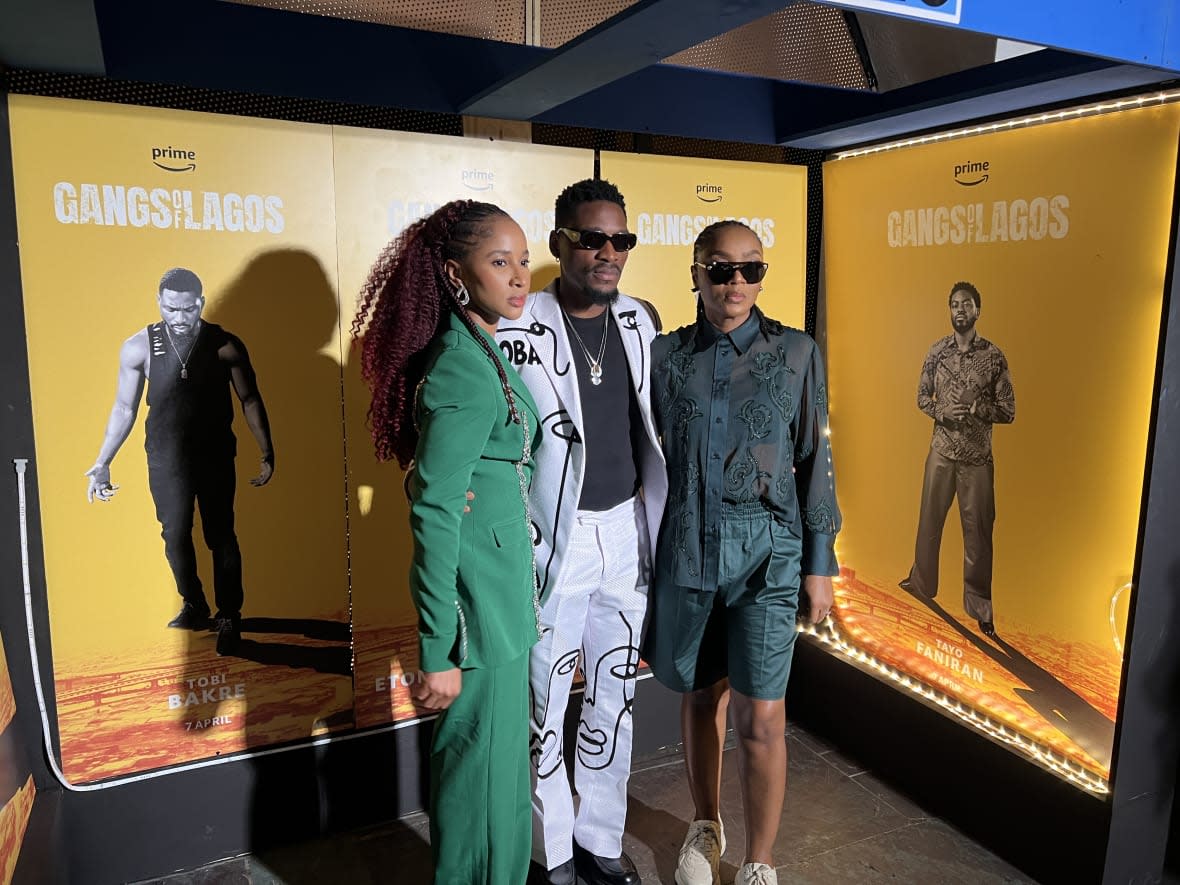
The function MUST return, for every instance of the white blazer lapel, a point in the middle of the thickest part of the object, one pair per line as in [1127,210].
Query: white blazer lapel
[551,340]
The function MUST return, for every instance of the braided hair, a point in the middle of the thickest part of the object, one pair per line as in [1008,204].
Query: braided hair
[701,248]
[404,305]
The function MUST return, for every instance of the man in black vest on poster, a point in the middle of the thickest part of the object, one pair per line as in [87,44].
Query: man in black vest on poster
[188,366]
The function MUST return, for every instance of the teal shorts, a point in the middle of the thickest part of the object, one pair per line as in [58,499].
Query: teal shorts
[745,630]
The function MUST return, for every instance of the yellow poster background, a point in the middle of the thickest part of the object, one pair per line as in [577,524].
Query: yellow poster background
[1077,314]
[671,199]
[91,259]
[384,182]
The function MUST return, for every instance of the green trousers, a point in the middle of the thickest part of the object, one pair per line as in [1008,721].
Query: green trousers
[480,798]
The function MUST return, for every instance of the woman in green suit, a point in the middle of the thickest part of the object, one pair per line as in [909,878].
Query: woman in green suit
[453,411]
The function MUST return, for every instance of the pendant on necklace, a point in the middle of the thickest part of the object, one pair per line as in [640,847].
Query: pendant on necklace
[183,373]
[595,373]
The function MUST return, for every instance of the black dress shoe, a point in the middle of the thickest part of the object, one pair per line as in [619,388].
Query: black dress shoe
[191,618]
[229,636]
[595,870]
[559,875]
[987,628]
[908,586]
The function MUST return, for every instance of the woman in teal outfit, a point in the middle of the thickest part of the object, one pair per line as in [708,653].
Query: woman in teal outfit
[453,411]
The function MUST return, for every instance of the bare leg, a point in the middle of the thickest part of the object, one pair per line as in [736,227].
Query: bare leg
[762,759]
[702,722]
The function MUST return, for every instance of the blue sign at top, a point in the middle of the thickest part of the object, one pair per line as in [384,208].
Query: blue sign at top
[1141,32]
[949,11]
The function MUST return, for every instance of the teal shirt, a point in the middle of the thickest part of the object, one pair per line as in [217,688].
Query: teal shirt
[744,419]
[472,577]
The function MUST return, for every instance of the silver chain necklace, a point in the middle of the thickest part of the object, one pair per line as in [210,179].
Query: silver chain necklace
[183,360]
[595,364]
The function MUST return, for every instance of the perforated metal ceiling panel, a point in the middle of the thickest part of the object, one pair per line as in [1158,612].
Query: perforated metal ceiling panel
[563,20]
[804,42]
[501,20]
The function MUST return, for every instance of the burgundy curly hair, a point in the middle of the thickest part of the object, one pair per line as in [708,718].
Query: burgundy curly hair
[405,303]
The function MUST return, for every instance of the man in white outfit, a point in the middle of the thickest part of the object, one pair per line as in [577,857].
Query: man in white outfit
[598,493]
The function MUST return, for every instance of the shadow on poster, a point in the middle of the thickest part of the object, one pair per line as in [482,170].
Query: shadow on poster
[994,304]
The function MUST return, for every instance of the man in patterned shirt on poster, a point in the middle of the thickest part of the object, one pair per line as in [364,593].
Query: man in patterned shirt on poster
[965,388]
[751,521]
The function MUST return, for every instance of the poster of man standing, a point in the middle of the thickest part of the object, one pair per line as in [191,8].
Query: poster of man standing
[1045,245]
[965,387]
[189,366]
[198,236]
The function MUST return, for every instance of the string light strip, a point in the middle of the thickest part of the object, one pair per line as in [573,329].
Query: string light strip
[1090,110]
[977,719]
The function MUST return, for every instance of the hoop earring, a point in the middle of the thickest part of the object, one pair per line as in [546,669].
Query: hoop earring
[462,295]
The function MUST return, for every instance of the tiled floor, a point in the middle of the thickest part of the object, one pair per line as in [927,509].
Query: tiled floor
[840,825]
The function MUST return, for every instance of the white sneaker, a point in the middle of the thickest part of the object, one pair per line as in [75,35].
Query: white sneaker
[756,874]
[700,855]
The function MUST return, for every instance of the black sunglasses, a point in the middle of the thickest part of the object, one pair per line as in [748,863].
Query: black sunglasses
[722,271]
[596,239]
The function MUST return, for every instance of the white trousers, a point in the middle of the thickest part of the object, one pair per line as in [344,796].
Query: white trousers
[593,618]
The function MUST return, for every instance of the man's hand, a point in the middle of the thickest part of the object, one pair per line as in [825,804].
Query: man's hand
[99,486]
[819,592]
[958,411]
[265,472]
[437,691]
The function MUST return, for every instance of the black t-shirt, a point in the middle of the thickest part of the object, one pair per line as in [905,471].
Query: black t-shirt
[611,422]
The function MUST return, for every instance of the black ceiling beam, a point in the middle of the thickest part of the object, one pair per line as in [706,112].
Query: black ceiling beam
[638,37]
[1039,79]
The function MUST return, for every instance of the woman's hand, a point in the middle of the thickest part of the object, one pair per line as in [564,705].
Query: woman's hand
[437,691]
[819,593]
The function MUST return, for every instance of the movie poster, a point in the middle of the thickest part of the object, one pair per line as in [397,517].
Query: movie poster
[994,307]
[182,320]
[671,199]
[384,182]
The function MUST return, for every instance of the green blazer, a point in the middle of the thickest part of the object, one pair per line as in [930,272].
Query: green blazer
[472,574]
